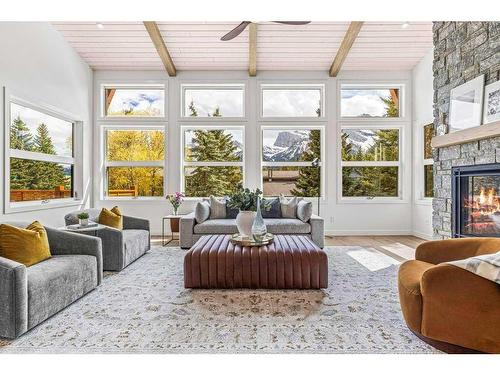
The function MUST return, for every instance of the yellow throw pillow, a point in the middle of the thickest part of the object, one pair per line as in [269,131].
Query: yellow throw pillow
[111,218]
[27,246]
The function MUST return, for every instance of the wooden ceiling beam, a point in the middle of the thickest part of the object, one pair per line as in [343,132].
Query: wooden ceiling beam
[159,43]
[252,50]
[349,38]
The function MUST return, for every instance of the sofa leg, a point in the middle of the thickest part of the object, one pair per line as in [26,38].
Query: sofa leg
[445,346]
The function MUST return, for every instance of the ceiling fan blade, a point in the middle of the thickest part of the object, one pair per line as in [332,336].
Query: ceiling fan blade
[293,22]
[236,31]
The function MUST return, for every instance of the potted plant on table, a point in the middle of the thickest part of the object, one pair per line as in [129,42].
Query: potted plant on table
[246,201]
[83,219]
[175,200]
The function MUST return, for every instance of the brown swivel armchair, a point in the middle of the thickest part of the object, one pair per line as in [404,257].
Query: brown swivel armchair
[446,303]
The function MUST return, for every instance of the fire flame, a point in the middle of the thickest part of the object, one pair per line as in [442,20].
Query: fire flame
[488,201]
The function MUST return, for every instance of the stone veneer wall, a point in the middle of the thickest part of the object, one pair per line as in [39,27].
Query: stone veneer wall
[462,51]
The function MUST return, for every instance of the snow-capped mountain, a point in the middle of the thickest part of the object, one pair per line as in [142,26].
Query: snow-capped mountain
[359,139]
[288,146]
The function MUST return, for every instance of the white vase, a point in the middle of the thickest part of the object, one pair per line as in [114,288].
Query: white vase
[244,222]
[84,222]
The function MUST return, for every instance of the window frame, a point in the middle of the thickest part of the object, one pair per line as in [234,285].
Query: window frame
[128,163]
[132,85]
[398,163]
[322,162]
[75,160]
[184,163]
[373,85]
[420,197]
[213,85]
[291,86]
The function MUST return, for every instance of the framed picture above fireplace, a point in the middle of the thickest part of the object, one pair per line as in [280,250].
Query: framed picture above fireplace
[491,110]
[466,105]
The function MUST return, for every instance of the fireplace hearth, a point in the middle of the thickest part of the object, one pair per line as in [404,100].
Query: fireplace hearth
[476,201]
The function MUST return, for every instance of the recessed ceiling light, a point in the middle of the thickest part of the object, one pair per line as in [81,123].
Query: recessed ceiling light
[100,25]
[405,25]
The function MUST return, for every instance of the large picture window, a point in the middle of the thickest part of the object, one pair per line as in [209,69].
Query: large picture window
[292,101]
[370,102]
[370,162]
[213,100]
[213,160]
[134,159]
[287,161]
[134,101]
[41,161]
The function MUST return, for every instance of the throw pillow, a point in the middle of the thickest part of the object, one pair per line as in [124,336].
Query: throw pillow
[112,218]
[304,210]
[27,246]
[289,207]
[217,208]
[202,211]
[231,213]
[273,208]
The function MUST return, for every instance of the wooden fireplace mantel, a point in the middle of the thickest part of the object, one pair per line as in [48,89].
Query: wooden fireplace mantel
[467,135]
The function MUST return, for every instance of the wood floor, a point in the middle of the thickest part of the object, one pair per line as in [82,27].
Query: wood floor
[400,248]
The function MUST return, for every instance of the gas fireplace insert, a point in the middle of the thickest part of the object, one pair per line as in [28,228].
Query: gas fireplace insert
[476,201]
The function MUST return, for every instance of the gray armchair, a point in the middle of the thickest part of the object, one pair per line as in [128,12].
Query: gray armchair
[119,247]
[30,295]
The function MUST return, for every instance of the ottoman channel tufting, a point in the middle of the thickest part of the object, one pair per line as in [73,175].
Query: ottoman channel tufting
[290,262]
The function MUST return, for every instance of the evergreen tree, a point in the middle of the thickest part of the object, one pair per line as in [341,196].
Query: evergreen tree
[192,108]
[213,145]
[47,175]
[21,170]
[308,184]
[391,110]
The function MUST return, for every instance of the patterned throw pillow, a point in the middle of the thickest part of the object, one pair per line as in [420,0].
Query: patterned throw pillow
[289,207]
[202,211]
[217,208]
[231,213]
[304,210]
[273,208]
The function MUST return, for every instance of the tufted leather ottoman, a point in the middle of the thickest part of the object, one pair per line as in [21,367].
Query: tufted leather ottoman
[291,262]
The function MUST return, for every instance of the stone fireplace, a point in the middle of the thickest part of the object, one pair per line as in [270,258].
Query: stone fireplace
[462,51]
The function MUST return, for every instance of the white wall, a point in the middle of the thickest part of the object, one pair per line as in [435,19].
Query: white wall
[39,66]
[423,92]
[340,218]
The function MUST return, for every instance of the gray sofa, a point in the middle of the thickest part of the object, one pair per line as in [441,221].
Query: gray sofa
[30,295]
[119,247]
[191,231]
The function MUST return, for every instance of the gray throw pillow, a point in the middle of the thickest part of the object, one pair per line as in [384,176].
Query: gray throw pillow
[304,210]
[202,211]
[289,207]
[217,208]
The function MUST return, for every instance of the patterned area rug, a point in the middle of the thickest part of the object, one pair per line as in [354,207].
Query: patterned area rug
[145,309]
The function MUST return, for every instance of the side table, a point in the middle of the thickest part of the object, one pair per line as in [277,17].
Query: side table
[174,228]
[92,230]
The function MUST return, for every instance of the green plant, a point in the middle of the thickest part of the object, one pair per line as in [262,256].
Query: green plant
[244,199]
[83,215]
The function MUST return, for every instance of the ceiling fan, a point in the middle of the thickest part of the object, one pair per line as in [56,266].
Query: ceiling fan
[242,26]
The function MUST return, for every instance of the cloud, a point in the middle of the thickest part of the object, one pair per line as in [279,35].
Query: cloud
[230,102]
[356,103]
[291,103]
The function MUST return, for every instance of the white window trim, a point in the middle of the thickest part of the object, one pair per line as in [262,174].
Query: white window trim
[419,178]
[291,86]
[322,162]
[213,85]
[399,163]
[75,160]
[185,163]
[102,117]
[402,85]
[128,163]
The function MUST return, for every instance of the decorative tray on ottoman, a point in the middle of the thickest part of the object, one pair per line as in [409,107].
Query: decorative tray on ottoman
[238,239]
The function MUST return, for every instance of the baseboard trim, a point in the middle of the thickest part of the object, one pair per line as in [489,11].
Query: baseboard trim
[370,232]
[422,235]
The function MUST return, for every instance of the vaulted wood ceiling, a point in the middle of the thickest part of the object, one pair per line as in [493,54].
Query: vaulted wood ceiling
[197,45]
